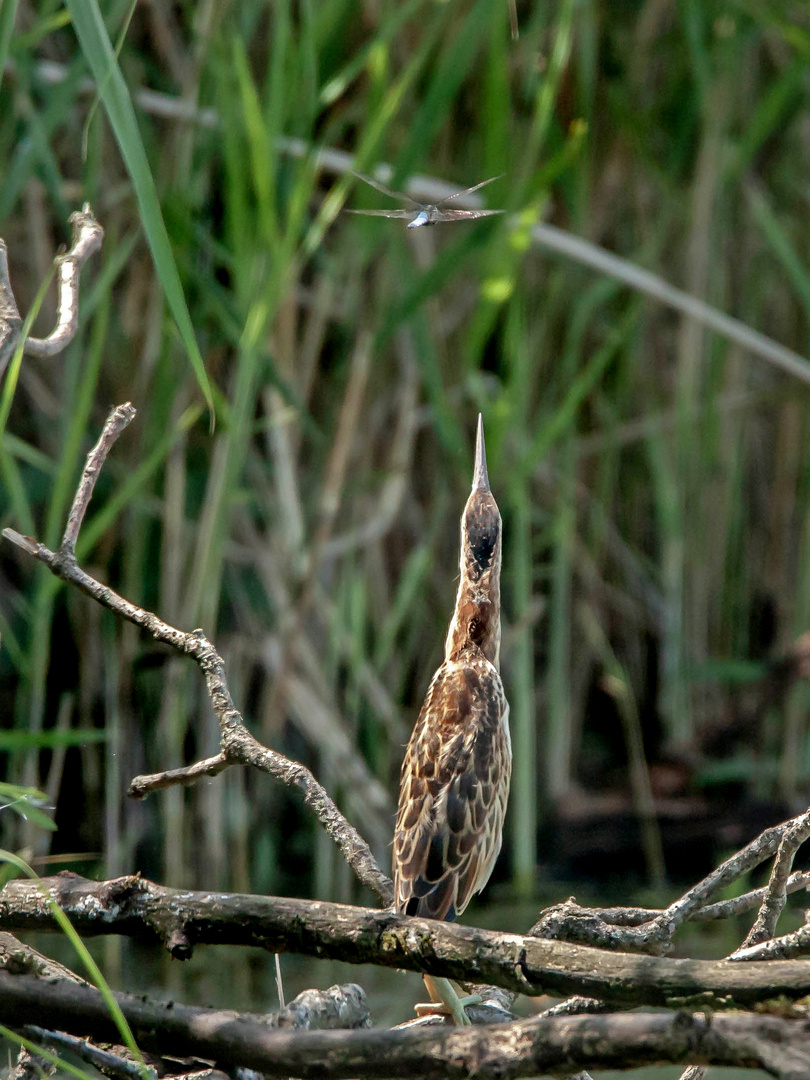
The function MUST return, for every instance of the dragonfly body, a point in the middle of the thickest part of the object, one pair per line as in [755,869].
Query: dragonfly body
[428,216]
[419,214]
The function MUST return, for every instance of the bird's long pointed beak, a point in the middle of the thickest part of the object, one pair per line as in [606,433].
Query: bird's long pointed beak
[480,477]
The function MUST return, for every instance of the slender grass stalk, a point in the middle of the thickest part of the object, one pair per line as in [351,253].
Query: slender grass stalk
[8,13]
[48,1055]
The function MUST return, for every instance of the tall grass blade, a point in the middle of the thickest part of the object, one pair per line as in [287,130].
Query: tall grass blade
[98,51]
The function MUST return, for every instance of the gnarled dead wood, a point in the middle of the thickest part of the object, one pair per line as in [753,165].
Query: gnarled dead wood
[528,965]
[562,1044]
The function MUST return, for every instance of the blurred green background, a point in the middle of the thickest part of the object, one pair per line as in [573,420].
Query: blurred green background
[652,475]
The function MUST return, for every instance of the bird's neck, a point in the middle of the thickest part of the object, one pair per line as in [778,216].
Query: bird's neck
[476,618]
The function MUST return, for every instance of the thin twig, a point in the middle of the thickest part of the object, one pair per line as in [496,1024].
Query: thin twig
[87,237]
[189,774]
[238,745]
[724,909]
[119,418]
[10,320]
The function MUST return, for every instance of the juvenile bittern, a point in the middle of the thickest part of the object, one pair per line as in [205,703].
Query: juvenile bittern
[455,777]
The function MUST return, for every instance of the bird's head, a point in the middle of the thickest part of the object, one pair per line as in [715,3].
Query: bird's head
[477,616]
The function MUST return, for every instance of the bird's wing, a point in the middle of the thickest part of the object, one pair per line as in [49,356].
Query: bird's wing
[470,190]
[382,213]
[455,782]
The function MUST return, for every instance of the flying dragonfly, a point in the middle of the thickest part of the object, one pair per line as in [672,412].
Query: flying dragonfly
[425,214]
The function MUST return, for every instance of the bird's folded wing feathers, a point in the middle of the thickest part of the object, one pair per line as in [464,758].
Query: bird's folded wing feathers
[453,797]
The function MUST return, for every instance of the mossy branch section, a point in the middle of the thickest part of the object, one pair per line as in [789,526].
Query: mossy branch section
[136,907]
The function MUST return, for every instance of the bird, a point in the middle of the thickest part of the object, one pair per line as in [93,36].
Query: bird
[454,783]
[423,213]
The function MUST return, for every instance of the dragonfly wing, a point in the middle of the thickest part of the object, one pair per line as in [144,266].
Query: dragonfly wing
[399,195]
[470,190]
[466,215]
[381,213]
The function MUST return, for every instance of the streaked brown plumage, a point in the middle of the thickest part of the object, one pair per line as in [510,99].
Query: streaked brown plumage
[455,777]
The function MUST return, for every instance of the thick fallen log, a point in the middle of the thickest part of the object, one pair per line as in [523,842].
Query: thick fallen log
[560,1044]
[181,919]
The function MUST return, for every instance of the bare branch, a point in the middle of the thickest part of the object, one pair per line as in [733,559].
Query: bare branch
[665,925]
[87,237]
[776,893]
[105,1061]
[532,966]
[10,320]
[238,745]
[525,1048]
[118,419]
[570,921]
[724,909]
[189,774]
[786,947]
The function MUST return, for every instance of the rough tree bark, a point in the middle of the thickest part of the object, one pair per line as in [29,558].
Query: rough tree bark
[525,964]
[541,1044]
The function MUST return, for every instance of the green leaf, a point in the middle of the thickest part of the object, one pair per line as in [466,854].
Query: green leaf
[26,740]
[112,89]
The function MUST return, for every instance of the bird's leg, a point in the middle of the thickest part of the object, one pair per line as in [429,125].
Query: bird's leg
[445,1001]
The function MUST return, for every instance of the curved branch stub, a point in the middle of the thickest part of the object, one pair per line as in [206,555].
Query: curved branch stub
[87,238]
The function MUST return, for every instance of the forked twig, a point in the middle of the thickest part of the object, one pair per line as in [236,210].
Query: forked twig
[649,931]
[238,745]
[775,896]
